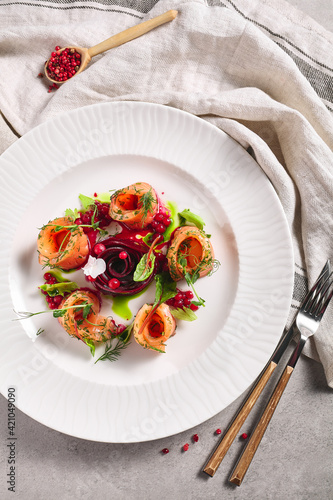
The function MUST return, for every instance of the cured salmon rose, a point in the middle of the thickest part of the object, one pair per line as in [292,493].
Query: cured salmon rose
[152,329]
[190,251]
[135,205]
[61,247]
[91,326]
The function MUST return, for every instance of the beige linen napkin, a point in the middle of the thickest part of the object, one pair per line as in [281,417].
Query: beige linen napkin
[260,70]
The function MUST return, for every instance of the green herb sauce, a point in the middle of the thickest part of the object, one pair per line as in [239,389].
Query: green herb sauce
[172,206]
[120,305]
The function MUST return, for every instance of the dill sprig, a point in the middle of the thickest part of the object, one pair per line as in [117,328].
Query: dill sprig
[113,351]
[145,203]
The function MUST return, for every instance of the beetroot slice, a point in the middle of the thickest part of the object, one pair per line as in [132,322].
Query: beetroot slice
[122,269]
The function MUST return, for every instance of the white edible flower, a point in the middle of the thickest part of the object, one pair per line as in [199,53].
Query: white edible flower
[94,267]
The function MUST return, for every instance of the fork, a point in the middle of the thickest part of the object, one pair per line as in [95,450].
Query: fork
[307,322]
[257,388]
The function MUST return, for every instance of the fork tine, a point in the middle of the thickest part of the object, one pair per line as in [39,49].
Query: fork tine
[319,297]
[320,294]
[326,300]
[314,293]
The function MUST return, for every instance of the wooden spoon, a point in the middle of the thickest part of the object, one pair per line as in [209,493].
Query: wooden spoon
[115,41]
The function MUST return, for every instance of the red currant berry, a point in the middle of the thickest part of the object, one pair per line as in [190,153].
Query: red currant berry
[187,302]
[165,451]
[218,431]
[160,228]
[166,221]
[99,248]
[159,217]
[57,300]
[185,447]
[123,255]
[244,435]
[189,294]
[105,209]
[47,276]
[86,219]
[113,283]
[194,307]
[57,47]
[178,303]
[195,438]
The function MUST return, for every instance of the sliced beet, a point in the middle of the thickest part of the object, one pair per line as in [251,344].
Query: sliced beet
[122,269]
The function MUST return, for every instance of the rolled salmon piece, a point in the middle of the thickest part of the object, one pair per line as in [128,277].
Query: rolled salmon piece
[61,247]
[93,327]
[190,251]
[151,331]
[134,205]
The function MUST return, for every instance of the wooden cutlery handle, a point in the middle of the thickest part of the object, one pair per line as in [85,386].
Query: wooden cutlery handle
[244,462]
[131,33]
[231,433]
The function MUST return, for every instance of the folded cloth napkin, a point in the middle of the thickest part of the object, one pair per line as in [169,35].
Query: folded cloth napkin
[260,70]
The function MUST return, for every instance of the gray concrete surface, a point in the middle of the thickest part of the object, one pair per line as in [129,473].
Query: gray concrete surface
[294,460]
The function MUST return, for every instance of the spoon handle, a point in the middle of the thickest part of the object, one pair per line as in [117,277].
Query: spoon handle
[131,33]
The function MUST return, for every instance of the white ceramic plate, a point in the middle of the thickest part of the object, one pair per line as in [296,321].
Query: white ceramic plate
[210,362]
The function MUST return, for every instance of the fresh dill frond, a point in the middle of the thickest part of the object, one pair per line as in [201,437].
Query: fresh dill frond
[113,351]
[145,203]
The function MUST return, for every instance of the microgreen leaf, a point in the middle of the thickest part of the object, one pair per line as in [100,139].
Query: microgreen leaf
[86,310]
[59,288]
[90,344]
[145,267]
[73,214]
[187,216]
[166,288]
[86,201]
[104,197]
[58,313]
[185,314]
[126,334]
[39,331]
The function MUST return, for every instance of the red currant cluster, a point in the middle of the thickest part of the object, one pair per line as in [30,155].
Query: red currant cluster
[101,215]
[161,220]
[63,64]
[53,302]
[182,300]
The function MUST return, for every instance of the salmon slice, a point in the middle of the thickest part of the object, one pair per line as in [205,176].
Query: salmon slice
[60,247]
[135,205]
[94,327]
[191,245]
[152,332]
